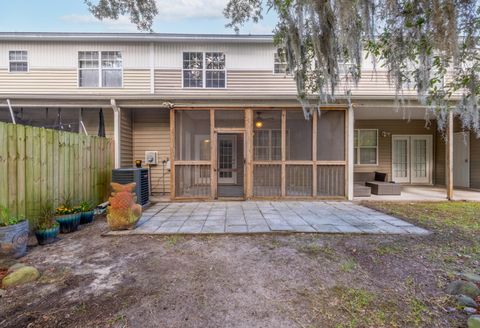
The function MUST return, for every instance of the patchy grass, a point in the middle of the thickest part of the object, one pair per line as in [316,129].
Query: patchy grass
[348,266]
[313,249]
[173,240]
[460,215]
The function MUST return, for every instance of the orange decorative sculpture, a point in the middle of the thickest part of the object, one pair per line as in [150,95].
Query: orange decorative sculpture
[123,213]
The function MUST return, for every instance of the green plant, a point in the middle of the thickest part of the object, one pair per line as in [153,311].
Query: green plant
[86,206]
[7,219]
[67,206]
[46,219]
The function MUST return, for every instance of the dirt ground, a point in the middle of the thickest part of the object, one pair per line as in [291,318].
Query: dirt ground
[293,280]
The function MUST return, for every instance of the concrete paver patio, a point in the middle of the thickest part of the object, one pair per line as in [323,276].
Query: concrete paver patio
[267,216]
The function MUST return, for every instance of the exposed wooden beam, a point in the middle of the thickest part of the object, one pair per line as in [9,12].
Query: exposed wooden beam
[172,154]
[116,132]
[349,147]
[249,157]
[449,161]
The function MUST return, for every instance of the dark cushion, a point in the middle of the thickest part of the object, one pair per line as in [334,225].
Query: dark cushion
[380,176]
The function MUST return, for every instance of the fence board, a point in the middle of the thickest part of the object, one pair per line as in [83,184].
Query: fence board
[38,165]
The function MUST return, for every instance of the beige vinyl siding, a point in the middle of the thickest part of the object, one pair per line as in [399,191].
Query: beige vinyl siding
[91,120]
[264,82]
[126,138]
[151,131]
[394,127]
[65,81]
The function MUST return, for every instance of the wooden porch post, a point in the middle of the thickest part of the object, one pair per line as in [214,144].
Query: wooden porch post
[350,149]
[249,137]
[213,155]
[284,153]
[449,151]
[172,153]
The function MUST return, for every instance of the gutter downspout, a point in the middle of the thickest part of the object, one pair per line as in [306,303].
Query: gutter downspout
[116,131]
[11,111]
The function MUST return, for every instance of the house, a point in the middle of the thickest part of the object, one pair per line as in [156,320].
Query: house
[220,111]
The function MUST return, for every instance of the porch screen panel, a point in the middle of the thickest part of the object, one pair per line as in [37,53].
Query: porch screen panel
[330,180]
[298,180]
[192,135]
[266,180]
[267,135]
[331,135]
[299,136]
[230,119]
[192,181]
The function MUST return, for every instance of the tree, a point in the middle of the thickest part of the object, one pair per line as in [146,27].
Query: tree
[432,44]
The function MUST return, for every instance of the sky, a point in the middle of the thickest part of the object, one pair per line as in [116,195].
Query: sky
[175,16]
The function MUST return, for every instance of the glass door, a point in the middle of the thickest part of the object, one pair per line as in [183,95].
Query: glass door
[420,159]
[227,159]
[401,159]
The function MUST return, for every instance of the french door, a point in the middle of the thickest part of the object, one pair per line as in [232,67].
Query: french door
[412,159]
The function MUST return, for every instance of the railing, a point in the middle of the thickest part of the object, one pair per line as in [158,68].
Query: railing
[41,165]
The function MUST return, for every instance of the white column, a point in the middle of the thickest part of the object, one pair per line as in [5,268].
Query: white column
[350,144]
[116,132]
[450,156]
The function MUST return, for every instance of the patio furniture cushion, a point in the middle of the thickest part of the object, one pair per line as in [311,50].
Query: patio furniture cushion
[360,190]
[379,176]
[384,188]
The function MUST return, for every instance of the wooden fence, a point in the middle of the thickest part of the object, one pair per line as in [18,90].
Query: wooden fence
[38,165]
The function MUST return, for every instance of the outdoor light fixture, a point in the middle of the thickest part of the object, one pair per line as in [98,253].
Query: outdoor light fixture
[258,121]
[206,141]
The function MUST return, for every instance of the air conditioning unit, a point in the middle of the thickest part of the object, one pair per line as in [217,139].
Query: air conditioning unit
[137,175]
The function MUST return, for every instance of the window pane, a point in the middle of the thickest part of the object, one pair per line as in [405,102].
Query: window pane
[88,77]
[230,118]
[18,67]
[215,79]
[17,55]
[368,156]
[192,135]
[215,60]
[111,59]
[111,78]
[331,135]
[193,60]
[267,143]
[280,63]
[192,79]
[299,136]
[368,138]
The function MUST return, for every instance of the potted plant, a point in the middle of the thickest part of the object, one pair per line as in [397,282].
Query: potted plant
[47,227]
[13,234]
[87,213]
[68,216]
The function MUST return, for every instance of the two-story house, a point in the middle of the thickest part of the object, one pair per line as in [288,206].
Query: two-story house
[222,110]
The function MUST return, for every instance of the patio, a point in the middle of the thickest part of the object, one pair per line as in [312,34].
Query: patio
[267,217]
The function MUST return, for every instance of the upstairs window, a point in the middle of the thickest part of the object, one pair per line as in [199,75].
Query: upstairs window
[100,68]
[204,70]
[280,65]
[215,69]
[18,61]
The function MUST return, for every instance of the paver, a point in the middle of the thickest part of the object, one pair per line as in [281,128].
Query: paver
[266,216]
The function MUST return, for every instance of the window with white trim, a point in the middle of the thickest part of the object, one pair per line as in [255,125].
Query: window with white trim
[280,65]
[204,70]
[18,61]
[100,68]
[366,147]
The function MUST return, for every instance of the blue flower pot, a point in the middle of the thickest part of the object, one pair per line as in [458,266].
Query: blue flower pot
[13,240]
[69,222]
[87,217]
[47,236]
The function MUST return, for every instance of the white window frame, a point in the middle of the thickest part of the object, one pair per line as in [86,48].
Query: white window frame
[100,69]
[17,61]
[275,57]
[204,70]
[357,148]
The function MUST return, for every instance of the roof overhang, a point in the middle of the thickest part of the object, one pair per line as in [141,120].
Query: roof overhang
[134,37]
